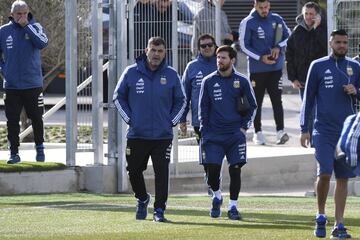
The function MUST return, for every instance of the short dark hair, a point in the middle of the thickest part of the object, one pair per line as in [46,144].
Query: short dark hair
[257,1]
[156,41]
[313,5]
[340,32]
[229,49]
[203,37]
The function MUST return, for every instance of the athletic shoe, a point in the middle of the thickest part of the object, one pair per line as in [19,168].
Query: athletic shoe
[215,211]
[141,208]
[259,138]
[233,214]
[339,232]
[159,215]
[40,155]
[281,137]
[320,226]
[14,158]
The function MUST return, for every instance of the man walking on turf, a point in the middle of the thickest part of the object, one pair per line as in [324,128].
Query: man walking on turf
[150,98]
[332,86]
[223,125]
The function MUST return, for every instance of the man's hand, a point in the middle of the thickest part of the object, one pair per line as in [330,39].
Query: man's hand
[317,21]
[305,140]
[267,59]
[275,52]
[297,85]
[23,21]
[350,89]
[183,128]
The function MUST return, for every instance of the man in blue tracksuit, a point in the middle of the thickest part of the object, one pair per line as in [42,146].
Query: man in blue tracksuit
[150,98]
[20,43]
[262,38]
[196,70]
[332,86]
[223,127]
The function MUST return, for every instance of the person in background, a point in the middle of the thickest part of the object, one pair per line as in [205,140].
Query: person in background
[332,85]
[263,36]
[223,127]
[21,40]
[204,22]
[310,29]
[196,70]
[150,99]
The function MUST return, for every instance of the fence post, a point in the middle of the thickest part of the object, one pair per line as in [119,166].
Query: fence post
[97,83]
[71,80]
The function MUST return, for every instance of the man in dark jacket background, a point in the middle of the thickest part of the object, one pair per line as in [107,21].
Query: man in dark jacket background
[307,42]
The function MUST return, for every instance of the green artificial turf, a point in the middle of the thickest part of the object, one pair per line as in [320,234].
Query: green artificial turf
[90,216]
[30,167]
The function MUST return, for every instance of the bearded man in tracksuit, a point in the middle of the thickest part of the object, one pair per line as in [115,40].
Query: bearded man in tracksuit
[20,43]
[150,98]
[263,37]
[332,86]
[223,127]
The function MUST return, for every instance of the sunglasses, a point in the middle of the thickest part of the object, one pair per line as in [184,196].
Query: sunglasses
[210,45]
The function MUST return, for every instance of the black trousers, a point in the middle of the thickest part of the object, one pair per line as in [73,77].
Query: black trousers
[33,102]
[138,152]
[270,81]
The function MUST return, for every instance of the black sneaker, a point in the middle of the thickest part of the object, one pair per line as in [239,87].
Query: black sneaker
[233,214]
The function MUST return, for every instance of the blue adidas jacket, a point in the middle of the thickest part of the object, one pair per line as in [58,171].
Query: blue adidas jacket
[20,54]
[257,38]
[194,73]
[150,102]
[324,90]
[218,103]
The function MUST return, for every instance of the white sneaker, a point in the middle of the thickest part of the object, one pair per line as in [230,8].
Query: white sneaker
[281,137]
[259,138]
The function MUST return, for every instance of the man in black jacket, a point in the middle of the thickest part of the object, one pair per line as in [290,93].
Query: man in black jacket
[307,42]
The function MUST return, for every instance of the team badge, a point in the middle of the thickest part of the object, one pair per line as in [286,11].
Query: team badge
[128,151]
[236,84]
[27,36]
[163,80]
[274,25]
[349,71]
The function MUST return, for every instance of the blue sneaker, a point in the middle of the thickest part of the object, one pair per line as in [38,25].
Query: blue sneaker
[159,215]
[320,226]
[14,158]
[339,232]
[141,208]
[215,211]
[40,155]
[233,214]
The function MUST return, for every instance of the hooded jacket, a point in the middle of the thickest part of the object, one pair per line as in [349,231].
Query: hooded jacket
[303,46]
[20,59]
[194,73]
[218,103]
[150,102]
[324,90]
[257,38]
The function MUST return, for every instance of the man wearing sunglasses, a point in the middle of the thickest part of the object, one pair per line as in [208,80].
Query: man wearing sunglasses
[196,70]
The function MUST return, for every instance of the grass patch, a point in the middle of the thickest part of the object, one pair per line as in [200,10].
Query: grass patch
[91,216]
[30,166]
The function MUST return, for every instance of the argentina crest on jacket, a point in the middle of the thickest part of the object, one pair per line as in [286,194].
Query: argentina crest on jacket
[236,83]
[163,80]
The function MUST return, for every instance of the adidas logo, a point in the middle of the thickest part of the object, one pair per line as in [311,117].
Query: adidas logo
[140,82]
[200,73]
[9,39]
[328,71]
[216,85]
